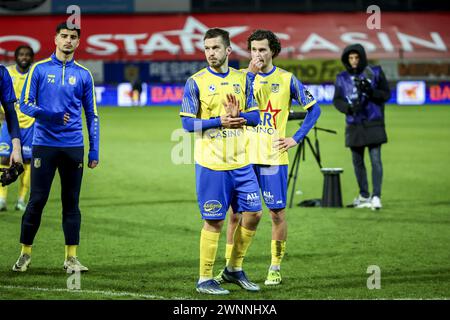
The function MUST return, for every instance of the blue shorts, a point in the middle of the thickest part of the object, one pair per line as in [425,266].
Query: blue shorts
[217,190]
[26,140]
[273,183]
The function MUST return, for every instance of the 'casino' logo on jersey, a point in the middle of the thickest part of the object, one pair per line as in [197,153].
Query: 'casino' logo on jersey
[237,88]
[212,206]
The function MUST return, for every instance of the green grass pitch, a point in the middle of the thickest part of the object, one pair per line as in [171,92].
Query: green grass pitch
[140,222]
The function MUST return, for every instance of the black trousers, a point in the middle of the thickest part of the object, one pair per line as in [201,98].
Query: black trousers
[360,169]
[45,161]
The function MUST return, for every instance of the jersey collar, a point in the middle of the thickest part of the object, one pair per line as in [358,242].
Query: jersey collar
[268,73]
[20,72]
[222,75]
[59,62]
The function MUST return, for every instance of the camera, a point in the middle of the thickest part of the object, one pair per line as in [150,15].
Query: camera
[363,85]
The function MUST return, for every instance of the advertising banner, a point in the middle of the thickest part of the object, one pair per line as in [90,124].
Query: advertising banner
[180,37]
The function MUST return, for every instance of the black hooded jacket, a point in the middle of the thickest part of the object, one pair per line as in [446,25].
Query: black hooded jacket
[362,128]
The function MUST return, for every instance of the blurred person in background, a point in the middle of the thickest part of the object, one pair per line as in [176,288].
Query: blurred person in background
[360,93]
[24,56]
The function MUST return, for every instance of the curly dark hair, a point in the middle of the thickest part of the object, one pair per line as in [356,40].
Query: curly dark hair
[16,52]
[274,42]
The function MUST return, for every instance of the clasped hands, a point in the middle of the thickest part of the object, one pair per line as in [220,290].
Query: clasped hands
[232,120]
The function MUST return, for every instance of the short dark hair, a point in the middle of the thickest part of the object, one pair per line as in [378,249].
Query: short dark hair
[216,32]
[63,25]
[16,52]
[260,34]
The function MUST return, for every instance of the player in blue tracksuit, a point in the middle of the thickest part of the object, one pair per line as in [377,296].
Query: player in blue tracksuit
[55,91]
[7,99]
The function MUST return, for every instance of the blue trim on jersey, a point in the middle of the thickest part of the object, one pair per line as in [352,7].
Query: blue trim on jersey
[194,124]
[268,73]
[191,98]
[312,115]
[222,75]
[218,190]
[20,72]
[272,181]
[250,101]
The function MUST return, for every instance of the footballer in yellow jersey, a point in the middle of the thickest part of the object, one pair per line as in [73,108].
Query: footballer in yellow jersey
[217,102]
[24,58]
[274,89]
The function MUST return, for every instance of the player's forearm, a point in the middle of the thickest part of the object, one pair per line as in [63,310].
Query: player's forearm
[11,120]
[252,118]
[309,122]
[16,144]
[194,124]
[36,112]
[93,125]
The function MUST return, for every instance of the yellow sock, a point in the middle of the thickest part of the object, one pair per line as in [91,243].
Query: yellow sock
[278,247]
[228,249]
[24,185]
[209,241]
[26,249]
[242,239]
[71,251]
[3,190]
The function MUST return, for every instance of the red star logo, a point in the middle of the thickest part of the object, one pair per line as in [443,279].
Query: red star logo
[274,113]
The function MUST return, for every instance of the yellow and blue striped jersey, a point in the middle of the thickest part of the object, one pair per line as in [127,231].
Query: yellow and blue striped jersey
[18,80]
[274,92]
[218,148]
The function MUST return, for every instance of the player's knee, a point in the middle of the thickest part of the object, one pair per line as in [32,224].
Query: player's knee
[278,215]
[36,204]
[250,220]
[234,217]
[213,225]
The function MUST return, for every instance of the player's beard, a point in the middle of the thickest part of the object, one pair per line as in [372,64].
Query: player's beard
[218,63]
[25,65]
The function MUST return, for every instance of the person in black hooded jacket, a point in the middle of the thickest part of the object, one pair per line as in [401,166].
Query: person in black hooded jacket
[360,93]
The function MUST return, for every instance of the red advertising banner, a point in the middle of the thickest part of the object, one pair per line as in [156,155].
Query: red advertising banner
[180,37]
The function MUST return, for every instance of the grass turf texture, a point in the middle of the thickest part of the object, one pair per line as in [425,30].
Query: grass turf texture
[141,226]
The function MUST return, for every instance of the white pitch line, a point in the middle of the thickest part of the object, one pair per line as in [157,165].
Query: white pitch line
[100,292]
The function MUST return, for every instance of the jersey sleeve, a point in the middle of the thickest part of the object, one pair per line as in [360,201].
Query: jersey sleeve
[7,94]
[191,99]
[92,121]
[301,94]
[250,101]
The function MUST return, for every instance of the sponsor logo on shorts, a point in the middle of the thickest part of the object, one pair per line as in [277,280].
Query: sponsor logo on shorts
[26,149]
[253,199]
[4,146]
[207,214]
[211,207]
[37,162]
[280,202]
[268,197]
